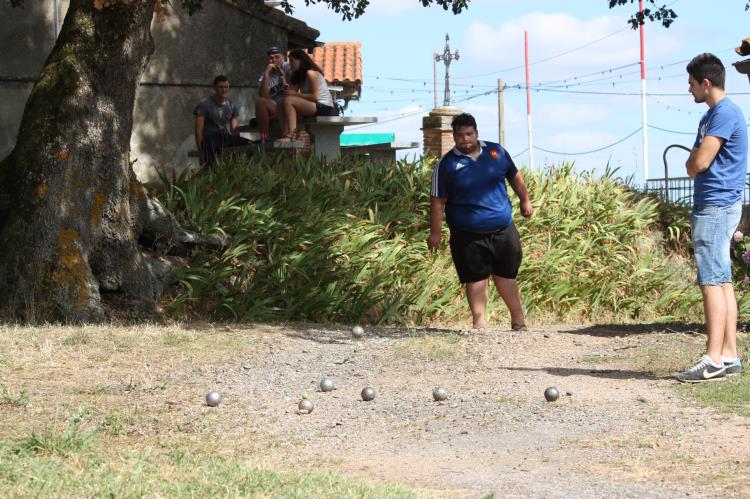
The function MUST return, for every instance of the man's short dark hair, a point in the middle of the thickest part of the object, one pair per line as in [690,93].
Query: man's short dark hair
[463,119]
[707,67]
[220,79]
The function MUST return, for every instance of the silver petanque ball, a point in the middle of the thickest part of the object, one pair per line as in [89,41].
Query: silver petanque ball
[358,332]
[551,394]
[326,385]
[440,394]
[305,406]
[368,394]
[213,398]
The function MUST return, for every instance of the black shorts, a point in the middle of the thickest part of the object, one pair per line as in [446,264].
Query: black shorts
[323,110]
[476,256]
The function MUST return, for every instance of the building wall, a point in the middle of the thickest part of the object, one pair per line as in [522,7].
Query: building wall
[190,51]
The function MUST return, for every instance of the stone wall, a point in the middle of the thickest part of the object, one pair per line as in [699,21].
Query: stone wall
[437,132]
[224,37]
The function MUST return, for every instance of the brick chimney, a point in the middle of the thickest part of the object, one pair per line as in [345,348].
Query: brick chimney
[437,131]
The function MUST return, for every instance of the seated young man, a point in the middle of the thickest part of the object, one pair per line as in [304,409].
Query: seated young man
[216,121]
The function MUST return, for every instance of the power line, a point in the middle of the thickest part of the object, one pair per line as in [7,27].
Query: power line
[546,58]
[522,152]
[591,151]
[670,131]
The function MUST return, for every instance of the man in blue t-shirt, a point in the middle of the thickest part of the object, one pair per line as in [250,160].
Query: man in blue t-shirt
[469,185]
[718,163]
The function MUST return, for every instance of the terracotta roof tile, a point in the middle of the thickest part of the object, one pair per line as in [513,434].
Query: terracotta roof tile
[341,63]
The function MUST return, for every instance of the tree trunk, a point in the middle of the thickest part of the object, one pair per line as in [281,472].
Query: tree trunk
[72,211]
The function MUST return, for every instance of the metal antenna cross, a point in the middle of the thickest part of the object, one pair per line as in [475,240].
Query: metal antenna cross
[447,57]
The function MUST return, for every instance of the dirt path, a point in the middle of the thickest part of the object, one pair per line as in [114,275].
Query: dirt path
[618,430]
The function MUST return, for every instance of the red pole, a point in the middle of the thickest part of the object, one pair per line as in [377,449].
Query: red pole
[644,108]
[528,96]
[643,45]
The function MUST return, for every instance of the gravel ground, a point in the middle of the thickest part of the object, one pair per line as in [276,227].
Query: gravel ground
[616,431]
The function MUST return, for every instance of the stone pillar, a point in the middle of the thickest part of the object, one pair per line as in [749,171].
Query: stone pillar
[437,132]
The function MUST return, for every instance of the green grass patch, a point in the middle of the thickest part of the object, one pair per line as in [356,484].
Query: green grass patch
[78,338]
[12,398]
[430,348]
[52,465]
[729,396]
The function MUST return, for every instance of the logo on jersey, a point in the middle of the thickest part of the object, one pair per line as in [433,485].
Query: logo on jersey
[494,154]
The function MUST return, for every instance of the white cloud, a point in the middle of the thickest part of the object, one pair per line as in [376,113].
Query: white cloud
[570,115]
[597,43]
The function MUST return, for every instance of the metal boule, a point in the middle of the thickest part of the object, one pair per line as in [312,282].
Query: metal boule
[305,406]
[440,394]
[551,394]
[358,332]
[213,398]
[368,394]
[326,385]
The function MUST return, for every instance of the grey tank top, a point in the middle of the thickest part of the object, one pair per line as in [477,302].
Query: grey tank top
[324,96]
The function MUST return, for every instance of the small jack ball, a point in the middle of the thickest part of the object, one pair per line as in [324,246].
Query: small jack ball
[326,385]
[358,331]
[305,405]
[439,394]
[551,394]
[213,398]
[368,394]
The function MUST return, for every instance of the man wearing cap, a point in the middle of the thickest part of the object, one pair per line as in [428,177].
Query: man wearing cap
[271,85]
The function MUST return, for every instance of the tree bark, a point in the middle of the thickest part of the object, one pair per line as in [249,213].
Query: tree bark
[72,211]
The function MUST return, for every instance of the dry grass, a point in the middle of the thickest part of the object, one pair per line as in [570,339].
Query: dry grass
[119,410]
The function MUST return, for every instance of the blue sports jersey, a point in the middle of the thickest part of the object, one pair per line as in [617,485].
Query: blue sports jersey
[476,193]
[723,182]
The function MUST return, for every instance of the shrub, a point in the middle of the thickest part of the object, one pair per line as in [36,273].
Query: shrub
[346,241]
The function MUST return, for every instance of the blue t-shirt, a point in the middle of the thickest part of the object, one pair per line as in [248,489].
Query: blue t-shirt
[477,197]
[723,182]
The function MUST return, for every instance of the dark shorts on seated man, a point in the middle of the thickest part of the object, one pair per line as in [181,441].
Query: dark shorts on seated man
[213,143]
[477,256]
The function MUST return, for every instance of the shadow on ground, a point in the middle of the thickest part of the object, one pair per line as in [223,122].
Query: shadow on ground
[596,373]
[622,330]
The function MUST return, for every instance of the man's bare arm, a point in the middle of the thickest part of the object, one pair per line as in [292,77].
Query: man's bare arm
[702,157]
[519,187]
[437,208]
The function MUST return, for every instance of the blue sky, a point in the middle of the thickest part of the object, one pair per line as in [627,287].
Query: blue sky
[581,44]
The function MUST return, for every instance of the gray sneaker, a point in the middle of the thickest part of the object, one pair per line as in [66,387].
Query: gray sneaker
[704,370]
[733,367]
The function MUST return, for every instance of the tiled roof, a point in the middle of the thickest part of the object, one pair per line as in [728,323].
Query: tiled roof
[341,63]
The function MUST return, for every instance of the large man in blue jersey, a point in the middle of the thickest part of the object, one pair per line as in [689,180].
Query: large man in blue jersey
[718,163]
[469,185]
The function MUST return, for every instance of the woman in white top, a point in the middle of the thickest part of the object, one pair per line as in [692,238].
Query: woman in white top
[308,94]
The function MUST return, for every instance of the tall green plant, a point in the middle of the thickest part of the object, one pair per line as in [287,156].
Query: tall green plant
[345,241]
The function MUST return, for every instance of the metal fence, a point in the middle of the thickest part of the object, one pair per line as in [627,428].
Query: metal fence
[679,190]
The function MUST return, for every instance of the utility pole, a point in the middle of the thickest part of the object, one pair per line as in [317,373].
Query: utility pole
[447,57]
[501,111]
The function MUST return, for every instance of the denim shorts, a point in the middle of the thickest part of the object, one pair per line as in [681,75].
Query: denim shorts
[712,229]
